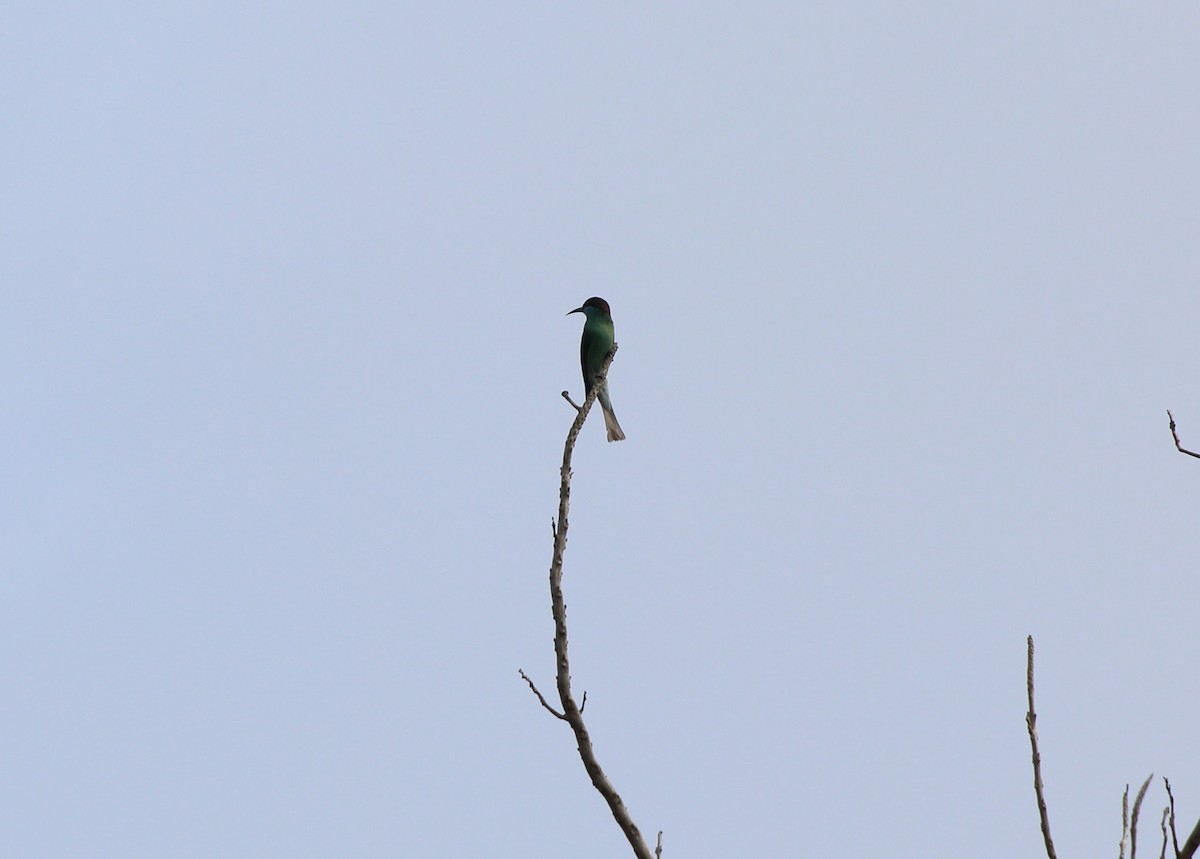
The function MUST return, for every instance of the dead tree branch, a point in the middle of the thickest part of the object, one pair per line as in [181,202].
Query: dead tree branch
[1128,825]
[541,697]
[1137,809]
[1031,724]
[1193,842]
[572,713]
[1175,435]
[1188,850]
[1171,808]
[1124,822]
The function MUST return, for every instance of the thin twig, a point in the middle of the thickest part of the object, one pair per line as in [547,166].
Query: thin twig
[1178,444]
[541,697]
[1162,854]
[1031,724]
[1171,797]
[573,713]
[1137,809]
[658,849]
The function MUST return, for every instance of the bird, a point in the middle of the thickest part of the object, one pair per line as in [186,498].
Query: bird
[597,342]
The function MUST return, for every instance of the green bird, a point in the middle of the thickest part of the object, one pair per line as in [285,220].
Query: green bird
[597,342]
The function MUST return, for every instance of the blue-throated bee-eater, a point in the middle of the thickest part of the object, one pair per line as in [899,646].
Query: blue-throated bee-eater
[597,342]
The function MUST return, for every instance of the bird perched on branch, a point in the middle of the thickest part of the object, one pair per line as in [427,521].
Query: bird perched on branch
[597,342]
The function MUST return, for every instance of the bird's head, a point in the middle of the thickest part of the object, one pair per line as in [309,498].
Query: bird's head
[593,306]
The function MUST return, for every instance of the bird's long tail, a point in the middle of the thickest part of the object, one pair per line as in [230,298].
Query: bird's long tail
[615,433]
[610,424]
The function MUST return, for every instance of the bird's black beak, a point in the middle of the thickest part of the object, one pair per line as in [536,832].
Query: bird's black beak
[576,310]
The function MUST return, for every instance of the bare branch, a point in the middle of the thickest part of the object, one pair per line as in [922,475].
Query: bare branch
[1124,821]
[1178,444]
[1193,842]
[541,697]
[658,849]
[1137,809]
[1162,854]
[1031,724]
[572,713]
[1171,797]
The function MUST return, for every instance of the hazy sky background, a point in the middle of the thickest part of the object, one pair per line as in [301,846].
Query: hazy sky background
[902,293]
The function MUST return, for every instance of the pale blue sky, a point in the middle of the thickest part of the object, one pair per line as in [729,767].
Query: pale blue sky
[902,293]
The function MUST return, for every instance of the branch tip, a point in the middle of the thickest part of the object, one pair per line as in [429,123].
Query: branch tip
[1137,810]
[1175,435]
[1171,807]
[1124,822]
[1031,725]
